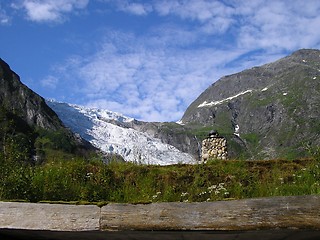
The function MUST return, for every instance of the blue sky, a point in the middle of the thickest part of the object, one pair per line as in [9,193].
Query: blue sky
[147,59]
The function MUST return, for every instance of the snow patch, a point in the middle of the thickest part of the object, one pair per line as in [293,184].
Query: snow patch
[265,89]
[314,78]
[206,104]
[236,130]
[180,122]
[285,94]
[94,126]
[304,60]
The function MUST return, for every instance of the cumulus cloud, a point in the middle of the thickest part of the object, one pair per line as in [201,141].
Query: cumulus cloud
[150,81]
[156,74]
[279,25]
[49,10]
[286,24]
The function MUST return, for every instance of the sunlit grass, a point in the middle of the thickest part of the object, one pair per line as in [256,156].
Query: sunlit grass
[86,181]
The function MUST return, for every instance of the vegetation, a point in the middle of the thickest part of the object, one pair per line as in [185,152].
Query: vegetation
[81,180]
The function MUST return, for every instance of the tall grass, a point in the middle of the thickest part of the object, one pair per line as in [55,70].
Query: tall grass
[94,181]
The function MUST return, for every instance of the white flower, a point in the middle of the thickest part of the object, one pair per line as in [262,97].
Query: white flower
[184,194]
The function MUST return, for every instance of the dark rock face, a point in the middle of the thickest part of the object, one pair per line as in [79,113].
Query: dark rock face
[18,98]
[271,111]
[30,108]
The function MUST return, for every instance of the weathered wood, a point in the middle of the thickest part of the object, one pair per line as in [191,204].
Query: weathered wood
[55,217]
[263,213]
[301,212]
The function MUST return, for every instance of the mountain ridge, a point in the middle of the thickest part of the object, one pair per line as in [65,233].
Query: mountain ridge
[270,111]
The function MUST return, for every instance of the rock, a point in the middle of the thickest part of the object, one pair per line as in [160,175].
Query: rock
[269,115]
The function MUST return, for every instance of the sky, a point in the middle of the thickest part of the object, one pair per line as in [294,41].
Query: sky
[147,59]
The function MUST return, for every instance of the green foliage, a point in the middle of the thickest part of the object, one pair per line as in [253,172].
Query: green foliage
[79,180]
[251,138]
[55,140]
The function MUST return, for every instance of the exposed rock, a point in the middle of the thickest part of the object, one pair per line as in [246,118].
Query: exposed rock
[31,110]
[214,147]
[18,98]
[271,111]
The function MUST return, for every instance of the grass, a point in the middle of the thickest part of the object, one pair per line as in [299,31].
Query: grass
[81,181]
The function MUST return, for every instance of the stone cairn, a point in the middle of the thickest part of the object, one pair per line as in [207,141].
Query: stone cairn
[214,146]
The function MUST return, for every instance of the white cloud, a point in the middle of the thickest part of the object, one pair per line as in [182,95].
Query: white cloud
[50,10]
[199,10]
[150,82]
[135,8]
[4,18]
[50,82]
[155,75]
[279,25]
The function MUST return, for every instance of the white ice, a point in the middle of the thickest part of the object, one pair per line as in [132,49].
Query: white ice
[134,146]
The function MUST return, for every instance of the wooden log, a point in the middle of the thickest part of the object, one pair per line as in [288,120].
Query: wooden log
[54,217]
[263,213]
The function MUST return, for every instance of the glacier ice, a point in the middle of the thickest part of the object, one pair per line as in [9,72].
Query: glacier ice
[103,129]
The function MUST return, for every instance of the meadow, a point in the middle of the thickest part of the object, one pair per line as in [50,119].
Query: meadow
[82,181]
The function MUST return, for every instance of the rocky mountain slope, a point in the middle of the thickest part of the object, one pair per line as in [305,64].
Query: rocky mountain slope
[265,112]
[16,97]
[116,134]
[24,116]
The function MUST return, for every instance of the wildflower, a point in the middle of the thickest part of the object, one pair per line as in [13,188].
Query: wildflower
[154,196]
[202,193]
[186,200]
[89,174]
[281,180]
[208,199]
[184,194]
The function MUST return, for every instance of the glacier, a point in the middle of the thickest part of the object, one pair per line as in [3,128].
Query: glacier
[111,133]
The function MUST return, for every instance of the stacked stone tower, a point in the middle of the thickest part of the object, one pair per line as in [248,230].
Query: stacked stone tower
[214,146]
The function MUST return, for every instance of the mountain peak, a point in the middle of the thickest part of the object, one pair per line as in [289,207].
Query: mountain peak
[275,107]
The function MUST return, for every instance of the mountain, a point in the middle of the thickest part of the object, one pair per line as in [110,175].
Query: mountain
[135,141]
[271,111]
[28,125]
